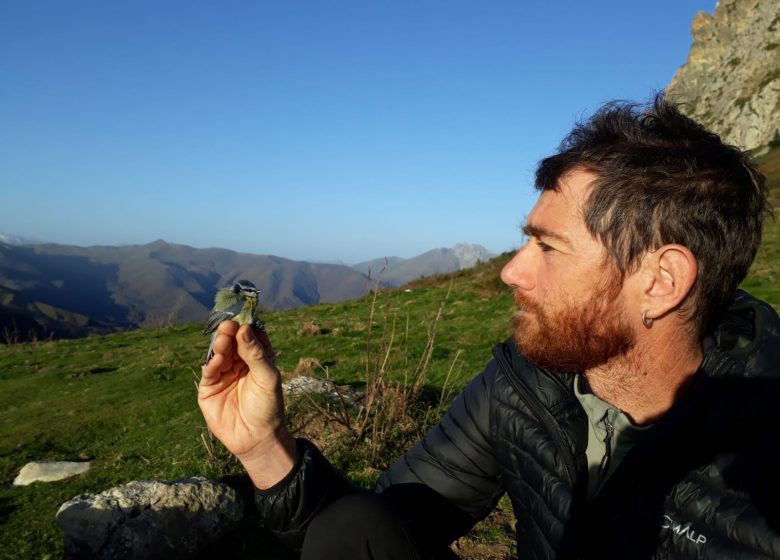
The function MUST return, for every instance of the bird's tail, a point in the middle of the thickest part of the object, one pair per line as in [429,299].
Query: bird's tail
[210,352]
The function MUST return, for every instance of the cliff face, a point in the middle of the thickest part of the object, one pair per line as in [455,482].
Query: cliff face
[731,80]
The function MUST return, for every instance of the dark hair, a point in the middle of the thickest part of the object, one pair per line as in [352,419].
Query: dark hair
[663,178]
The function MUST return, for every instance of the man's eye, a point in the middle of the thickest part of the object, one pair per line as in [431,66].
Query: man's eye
[544,247]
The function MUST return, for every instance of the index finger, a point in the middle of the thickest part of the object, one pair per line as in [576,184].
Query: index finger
[211,372]
[228,327]
[225,337]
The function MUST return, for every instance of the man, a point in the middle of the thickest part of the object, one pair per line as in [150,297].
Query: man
[632,415]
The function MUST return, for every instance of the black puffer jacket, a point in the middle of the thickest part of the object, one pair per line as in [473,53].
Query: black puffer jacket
[703,482]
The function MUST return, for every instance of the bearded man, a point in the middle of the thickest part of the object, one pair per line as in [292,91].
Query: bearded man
[634,412]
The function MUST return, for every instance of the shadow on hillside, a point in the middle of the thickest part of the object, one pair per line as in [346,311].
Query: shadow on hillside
[6,509]
[48,449]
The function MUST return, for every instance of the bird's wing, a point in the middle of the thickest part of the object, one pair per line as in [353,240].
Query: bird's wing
[219,315]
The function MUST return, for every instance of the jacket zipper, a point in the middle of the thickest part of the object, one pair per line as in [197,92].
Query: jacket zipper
[605,460]
[538,410]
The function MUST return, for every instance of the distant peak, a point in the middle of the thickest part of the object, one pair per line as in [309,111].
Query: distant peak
[469,254]
[12,239]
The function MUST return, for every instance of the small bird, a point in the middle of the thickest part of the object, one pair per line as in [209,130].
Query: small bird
[237,303]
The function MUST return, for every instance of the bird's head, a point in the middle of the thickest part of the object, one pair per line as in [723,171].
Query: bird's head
[246,289]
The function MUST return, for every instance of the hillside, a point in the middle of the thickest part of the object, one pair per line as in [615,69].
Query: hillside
[764,278]
[127,402]
[67,291]
[72,291]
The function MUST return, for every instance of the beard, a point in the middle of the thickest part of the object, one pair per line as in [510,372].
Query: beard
[575,337]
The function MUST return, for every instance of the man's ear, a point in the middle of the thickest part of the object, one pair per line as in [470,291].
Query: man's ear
[669,274]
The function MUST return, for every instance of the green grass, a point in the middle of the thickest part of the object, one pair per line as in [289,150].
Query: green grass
[127,401]
[764,278]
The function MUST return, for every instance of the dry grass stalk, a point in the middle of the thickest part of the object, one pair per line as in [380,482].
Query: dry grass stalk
[9,335]
[389,407]
[310,328]
[209,444]
[306,367]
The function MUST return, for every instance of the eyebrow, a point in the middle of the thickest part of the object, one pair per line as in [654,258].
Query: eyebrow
[540,232]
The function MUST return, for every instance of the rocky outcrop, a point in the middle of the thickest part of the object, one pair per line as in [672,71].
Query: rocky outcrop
[469,254]
[325,387]
[731,80]
[150,520]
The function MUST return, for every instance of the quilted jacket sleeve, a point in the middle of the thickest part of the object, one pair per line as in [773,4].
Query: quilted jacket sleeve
[446,482]
[288,507]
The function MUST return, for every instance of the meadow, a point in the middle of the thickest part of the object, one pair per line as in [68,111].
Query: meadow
[127,401]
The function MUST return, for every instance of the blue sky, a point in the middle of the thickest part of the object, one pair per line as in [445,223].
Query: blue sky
[314,130]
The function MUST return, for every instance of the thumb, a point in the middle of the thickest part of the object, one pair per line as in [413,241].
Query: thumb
[256,355]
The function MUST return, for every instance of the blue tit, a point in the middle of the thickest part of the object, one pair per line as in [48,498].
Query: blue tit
[239,304]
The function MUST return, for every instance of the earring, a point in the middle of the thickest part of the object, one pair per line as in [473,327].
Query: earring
[646,321]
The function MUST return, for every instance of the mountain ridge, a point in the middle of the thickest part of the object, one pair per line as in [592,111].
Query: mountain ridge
[396,271]
[70,290]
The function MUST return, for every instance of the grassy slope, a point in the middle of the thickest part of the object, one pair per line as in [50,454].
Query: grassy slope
[764,278]
[127,400]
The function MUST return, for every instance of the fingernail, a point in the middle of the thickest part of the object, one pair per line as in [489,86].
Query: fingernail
[248,336]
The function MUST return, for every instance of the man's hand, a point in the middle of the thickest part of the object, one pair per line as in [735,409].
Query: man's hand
[240,395]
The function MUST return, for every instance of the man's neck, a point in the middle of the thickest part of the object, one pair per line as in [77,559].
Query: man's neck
[645,382]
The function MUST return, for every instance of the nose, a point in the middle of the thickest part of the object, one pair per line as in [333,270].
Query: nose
[518,272]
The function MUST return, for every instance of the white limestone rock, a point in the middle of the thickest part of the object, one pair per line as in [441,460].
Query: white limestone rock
[325,387]
[150,520]
[731,80]
[49,471]
[470,255]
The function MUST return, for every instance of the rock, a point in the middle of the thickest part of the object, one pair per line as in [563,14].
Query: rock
[731,79]
[332,392]
[470,255]
[149,520]
[49,471]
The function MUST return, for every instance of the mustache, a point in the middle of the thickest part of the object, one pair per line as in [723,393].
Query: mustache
[523,302]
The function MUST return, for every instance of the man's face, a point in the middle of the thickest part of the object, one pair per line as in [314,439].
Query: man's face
[572,315]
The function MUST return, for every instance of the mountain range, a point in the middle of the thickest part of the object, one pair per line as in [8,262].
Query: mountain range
[730,82]
[395,271]
[65,291]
